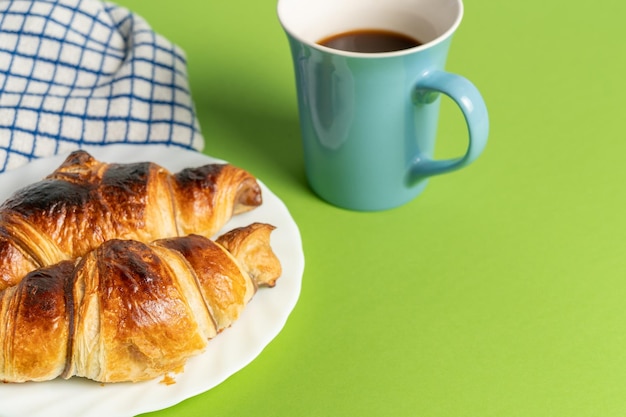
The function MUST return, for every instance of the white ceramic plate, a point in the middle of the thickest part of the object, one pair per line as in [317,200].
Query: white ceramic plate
[230,351]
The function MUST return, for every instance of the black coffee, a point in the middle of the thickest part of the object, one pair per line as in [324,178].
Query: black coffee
[370,41]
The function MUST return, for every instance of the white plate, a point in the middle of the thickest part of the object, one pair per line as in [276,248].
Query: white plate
[230,351]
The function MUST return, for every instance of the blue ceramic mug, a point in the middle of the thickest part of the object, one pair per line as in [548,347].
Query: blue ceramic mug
[368,120]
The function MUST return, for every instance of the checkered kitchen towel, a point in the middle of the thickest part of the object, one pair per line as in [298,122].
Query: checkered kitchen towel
[76,72]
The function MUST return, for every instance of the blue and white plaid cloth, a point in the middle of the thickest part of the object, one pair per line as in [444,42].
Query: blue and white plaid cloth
[76,72]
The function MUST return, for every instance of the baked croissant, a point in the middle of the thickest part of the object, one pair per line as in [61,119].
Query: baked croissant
[85,202]
[130,311]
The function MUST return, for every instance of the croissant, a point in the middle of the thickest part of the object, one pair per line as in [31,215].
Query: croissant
[85,202]
[131,311]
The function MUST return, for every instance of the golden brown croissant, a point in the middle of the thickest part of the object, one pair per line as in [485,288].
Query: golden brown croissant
[130,311]
[86,202]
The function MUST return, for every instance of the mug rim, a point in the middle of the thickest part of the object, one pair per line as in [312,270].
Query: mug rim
[373,55]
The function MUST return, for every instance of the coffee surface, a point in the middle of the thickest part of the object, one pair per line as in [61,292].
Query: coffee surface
[370,41]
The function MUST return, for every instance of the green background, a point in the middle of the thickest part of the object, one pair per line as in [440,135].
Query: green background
[501,290]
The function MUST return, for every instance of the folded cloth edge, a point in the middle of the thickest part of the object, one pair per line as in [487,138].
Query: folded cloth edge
[87,72]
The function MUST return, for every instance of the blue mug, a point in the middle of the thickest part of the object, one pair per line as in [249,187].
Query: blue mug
[368,119]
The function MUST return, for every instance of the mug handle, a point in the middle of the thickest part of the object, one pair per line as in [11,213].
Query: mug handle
[467,97]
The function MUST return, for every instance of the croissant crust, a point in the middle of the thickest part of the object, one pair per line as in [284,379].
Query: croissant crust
[127,311]
[85,202]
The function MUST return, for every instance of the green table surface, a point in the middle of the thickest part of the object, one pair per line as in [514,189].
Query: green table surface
[500,291]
